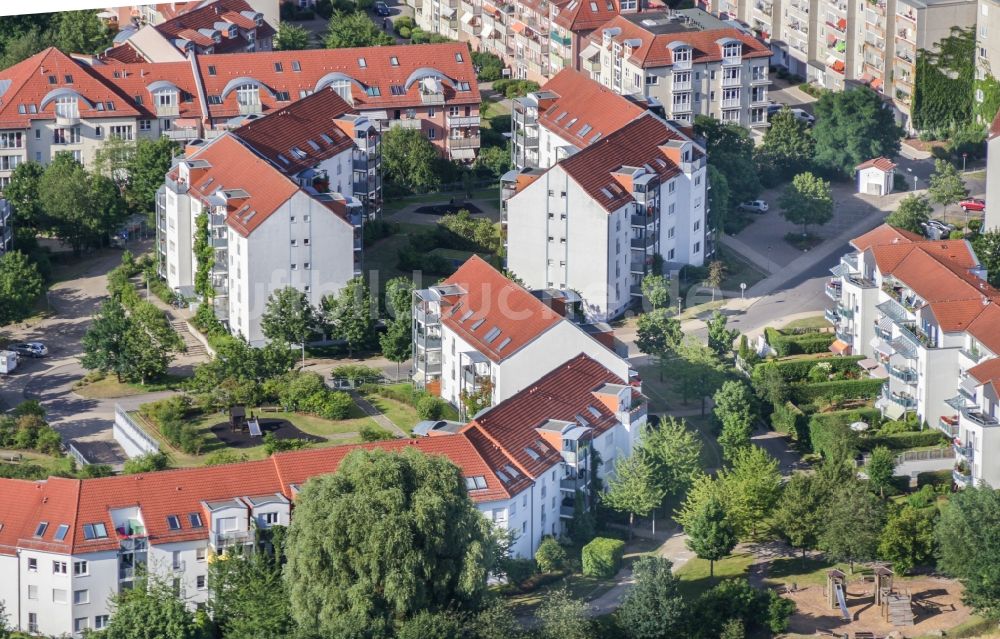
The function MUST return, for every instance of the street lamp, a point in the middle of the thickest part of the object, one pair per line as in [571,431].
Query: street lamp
[964,157]
[910,171]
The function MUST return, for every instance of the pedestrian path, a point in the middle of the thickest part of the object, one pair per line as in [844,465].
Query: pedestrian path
[192,346]
[375,414]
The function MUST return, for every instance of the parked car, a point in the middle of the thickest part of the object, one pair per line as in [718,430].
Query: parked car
[30,349]
[803,116]
[382,8]
[973,204]
[937,230]
[755,206]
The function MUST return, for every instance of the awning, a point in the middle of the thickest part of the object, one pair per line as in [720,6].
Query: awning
[376,115]
[840,270]
[892,410]
[463,154]
[448,12]
[590,51]
[970,385]
[882,346]
[487,32]
[879,372]
[840,347]
[518,27]
[468,17]
[868,364]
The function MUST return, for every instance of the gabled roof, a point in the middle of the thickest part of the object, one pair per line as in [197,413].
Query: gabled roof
[651,36]
[300,135]
[637,144]
[986,327]
[29,91]
[564,395]
[584,15]
[493,314]
[133,82]
[26,504]
[583,111]
[988,371]
[885,234]
[880,163]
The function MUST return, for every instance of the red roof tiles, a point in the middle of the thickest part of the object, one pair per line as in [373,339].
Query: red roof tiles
[584,110]
[884,234]
[584,15]
[986,327]
[880,163]
[988,371]
[492,301]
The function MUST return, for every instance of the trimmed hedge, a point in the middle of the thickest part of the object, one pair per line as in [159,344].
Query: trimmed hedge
[602,557]
[788,419]
[934,478]
[797,370]
[829,438]
[870,416]
[799,344]
[846,389]
[905,441]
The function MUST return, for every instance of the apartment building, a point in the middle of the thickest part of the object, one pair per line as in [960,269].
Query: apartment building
[273,193]
[688,61]
[222,26]
[479,327]
[69,545]
[987,42]
[6,227]
[559,119]
[923,312]
[595,221]
[138,15]
[991,220]
[51,102]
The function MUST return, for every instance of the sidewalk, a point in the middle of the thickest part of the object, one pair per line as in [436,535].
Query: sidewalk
[374,413]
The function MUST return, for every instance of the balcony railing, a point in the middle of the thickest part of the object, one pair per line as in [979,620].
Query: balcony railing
[642,243]
[231,538]
[906,375]
[831,316]
[431,98]
[845,311]
[461,121]
[471,142]
[966,451]
[962,478]
[973,354]
[732,103]
[949,424]
[833,290]
[732,82]
[407,123]
[977,416]
[642,220]
[900,399]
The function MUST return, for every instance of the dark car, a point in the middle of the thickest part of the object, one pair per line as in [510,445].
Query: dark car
[382,9]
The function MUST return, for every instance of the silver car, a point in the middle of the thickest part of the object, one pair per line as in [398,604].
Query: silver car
[30,349]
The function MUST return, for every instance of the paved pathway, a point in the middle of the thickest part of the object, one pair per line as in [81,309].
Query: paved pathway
[375,414]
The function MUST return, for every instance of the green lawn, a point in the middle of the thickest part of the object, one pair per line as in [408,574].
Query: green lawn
[739,270]
[694,575]
[816,322]
[109,387]
[400,414]
[51,464]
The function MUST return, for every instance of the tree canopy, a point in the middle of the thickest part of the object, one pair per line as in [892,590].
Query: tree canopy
[853,126]
[654,607]
[730,150]
[655,290]
[350,315]
[674,452]
[788,146]
[946,184]
[987,247]
[633,489]
[291,37]
[911,214]
[807,200]
[150,609]
[404,522]
[734,409]
[969,547]
[710,533]
[20,285]
[354,29]
[409,160]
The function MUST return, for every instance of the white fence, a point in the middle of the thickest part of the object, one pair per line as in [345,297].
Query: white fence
[75,453]
[131,437]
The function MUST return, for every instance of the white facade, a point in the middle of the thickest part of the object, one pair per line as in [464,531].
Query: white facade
[992,215]
[875,181]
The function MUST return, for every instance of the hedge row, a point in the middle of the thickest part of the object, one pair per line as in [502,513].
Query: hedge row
[797,370]
[845,389]
[934,478]
[602,557]
[904,441]
[803,344]
[788,419]
[870,416]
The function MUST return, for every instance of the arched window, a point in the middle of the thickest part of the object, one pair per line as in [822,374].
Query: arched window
[247,95]
[343,89]
[67,107]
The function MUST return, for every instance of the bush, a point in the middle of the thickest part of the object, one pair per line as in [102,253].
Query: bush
[602,557]
[146,463]
[779,610]
[904,441]
[168,416]
[517,570]
[845,389]
[430,407]
[206,322]
[799,370]
[550,556]
[330,404]
[372,433]
[870,416]
[787,418]
[274,445]
[490,67]
[934,478]
[785,344]
[832,439]
[405,32]
[356,373]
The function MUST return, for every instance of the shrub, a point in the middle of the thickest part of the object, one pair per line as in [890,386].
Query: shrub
[787,418]
[405,32]
[274,445]
[799,370]
[550,556]
[904,441]
[845,389]
[934,478]
[870,416]
[798,344]
[48,441]
[356,373]
[372,433]
[517,570]
[330,404]
[146,463]
[832,439]
[779,610]
[602,557]
[168,416]
[430,407]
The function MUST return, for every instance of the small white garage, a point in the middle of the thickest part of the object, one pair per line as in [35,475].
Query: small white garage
[875,177]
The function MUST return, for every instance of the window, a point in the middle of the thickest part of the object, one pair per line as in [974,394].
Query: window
[101,621]
[33,592]
[173,522]
[670,232]
[144,125]
[652,79]
[200,582]
[295,242]
[211,69]
[458,57]
[697,247]
[81,596]
[98,132]
[58,567]
[282,96]
[296,66]
[41,528]
[32,622]
[67,107]
[306,265]
[294,267]
[362,63]
[278,68]
[195,520]
[32,564]
[80,568]
[682,54]
[123,132]
[697,224]
[80,624]
[269,519]
[394,61]
[247,95]
[9,162]
[94,531]
[431,134]
[61,532]
[59,595]
[200,554]
[11,140]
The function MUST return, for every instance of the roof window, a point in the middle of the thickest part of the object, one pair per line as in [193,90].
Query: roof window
[68,79]
[99,105]
[503,343]
[215,99]
[362,63]
[593,6]
[459,58]
[571,122]
[195,520]
[475,483]
[491,335]
[95,531]
[296,66]
[373,91]
[110,105]
[466,315]
[541,445]
[41,528]
[278,68]
[561,116]
[513,472]
[138,100]
[282,96]
[34,109]
[503,477]
[22,109]
[173,522]
[326,138]
[586,129]
[52,79]
[283,159]
[396,89]
[61,532]
[211,69]
[299,153]
[315,147]
[531,453]
[597,136]
[606,193]
[463,86]
[394,61]
[594,411]
[478,323]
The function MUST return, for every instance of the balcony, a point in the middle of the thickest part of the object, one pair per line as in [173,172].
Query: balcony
[426,317]
[905,375]
[431,98]
[972,354]
[233,538]
[833,290]
[903,400]
[681,85]
[732,103]
[407,123]
[732,82]
[643,243]
[844,335]
[966,451]
[250,108]
[978,417]
[961,477]
[682,107]
[642,221]
[949,424]
[844,311]
[831,316]
[470,142]
[461,121]
[428,343]
[732,61]
[67,119]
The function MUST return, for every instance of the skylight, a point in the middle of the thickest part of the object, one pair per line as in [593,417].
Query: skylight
[466,315]
[314,146]
[173,522]
[283,159]
[61,532]
[68,79]
[594,411]
[195,520]
[297,152]
[586,129]
[296,66]
[504,478]
[513,472]
[396,89]
[593,6]
[503,343]
[94,531]
[326,138]
[475,483]
[531,453]
[606,192]
[561,116]
[541,445]
[278,68]
[596,137]
[211,69]
[491,335]
[478,323]
[40,530]
[571,122]
[394,61]
[362,63]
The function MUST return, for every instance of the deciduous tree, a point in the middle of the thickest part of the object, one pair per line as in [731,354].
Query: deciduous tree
[697,371]
[720,338]
[751,489]
[946,184]
[377,513]
[289,318]
[710,533]
[82,32]
[908,539]
[851,127]
[969,547]
[107,344]
[807,200]
[249,598]
[911,214]
[152,342]
[658,335]
[854,521]
[561,616]
[148,165]
[354,29]
[150,609]
[634,489]
[674,452]
[798,518]
[655,290]
[788,145]
[730,150]
[291,37]
[23,193]
[654,607]
[881,465]
[409,160]
[350,315]
[720,201]
[20,286]
[734,408]
[716,274]
[987,247]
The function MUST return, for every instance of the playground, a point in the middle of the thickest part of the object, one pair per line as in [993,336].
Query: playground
[244,430]
[876,603]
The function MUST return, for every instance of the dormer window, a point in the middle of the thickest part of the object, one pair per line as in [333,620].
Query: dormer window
[682,54]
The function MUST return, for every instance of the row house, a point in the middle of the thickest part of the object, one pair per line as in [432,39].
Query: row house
[69,545]
[922,312]
[839,43]
[688,61]
[51,103]
[478,328]
[222,26]
[276,194]
[596,221]
[567,114]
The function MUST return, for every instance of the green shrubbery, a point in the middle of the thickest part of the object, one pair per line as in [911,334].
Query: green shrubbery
[787,418]
[844,389]
[170,418]
[602,557]
[306,393]
[904,441]
[29,432]
[428,406]
[787,343]
[514,88]
[550,556]
[800,370]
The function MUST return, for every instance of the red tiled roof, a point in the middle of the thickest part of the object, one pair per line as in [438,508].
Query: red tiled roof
[636,144]
[884,234]
[584,15]
[24,86]
[25,504]
[300,126]
[585,110]
[495,302]
[206,16]
[986,327]
[133,80]
[124,52]
[880,163]
[654,52]
[565,394]
[988,371]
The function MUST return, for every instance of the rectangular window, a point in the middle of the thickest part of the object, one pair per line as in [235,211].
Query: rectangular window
[195,520]
[697,247]
[32,592]
[200,582]
[200,554]
[81,596]
[32,564]
[58,567]
[58,595]
[80,624]
[100,621]
[33,622]
[269,518]
[80,568]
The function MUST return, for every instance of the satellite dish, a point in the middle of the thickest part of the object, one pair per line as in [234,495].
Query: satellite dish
[859,427]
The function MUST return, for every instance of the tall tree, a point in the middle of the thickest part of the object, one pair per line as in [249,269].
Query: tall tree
[152,342]
[674,452]
[106,206]
[807,200]
[751,489]
[908,539]
[24,45]
[561,616]
[720,202]
[66,202]
[788,145]
[288,317]
[854,522]
[730,150]
[249,597]
[107,344]
[734,408]
[969,547]
[409,160]
[654,607]
[633,489]
[880,467]
[946,184]
[710,533]
[354,29]
[82,32]
[697,371]
[291,37]
[798,518]
[379,512]
[987,247]
[350,315]
[720,338]
[397,341]
[148,165]
[851,127]
[912,213]
[24,194]
[20,286]
[658,335]
[150,609]
[655,290]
